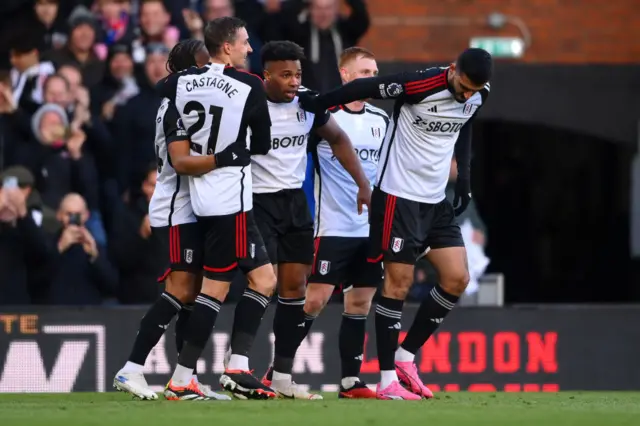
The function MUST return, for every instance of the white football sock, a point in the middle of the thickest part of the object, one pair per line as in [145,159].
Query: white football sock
[387,377]
[132,367]
[404,355]
[238,362]
[281,376]
[349,382]
[182,376]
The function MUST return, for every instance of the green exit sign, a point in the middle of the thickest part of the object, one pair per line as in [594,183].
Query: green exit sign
[500,47]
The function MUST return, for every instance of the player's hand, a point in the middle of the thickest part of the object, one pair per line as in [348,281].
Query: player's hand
[145,228]
[309,101]
[463,196]
[235,155]
[364,198]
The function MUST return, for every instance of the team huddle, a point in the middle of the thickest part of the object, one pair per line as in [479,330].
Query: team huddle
[231,155]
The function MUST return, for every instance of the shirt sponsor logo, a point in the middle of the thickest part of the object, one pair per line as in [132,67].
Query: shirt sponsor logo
[369,154]
[288,141]
[437,126]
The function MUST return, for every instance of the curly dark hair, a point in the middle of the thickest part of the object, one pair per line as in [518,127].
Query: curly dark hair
[281,51]
[183,55]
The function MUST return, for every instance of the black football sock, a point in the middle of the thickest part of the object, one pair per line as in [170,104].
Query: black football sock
[181,325]
[248,316]
[201,323]
[430,315]
[153,325]
[388,316]
[289,330]
[351,343]
[308,322]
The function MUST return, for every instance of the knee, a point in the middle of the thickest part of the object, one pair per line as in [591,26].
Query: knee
[456,283]
[265,283]
[358,306]
[184,293]
[397,284]
[314,304]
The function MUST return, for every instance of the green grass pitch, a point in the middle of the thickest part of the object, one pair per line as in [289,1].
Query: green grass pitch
[447,409]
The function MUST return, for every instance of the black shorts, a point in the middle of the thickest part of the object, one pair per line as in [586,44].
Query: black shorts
[286,225]
[231,242]
[401,229]
[343,261]
[183,245]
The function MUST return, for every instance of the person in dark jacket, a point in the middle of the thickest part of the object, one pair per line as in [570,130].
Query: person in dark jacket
[137,253]
[135,124]
[82,274]
[24,247]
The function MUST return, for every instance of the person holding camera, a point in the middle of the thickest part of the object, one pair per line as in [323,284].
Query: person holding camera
[24,247]
[82,275]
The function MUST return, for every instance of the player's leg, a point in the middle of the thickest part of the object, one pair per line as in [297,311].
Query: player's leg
[363,281]
[253,260]
[395,238]
[449,258]
[178,292]
[295,257]
[219,268]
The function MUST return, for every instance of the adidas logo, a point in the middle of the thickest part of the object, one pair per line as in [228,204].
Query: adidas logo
[359,357]
[433,109]
[396,326]
[437,320]
[235,157]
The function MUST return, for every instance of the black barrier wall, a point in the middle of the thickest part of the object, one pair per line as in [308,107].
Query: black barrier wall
[477,349]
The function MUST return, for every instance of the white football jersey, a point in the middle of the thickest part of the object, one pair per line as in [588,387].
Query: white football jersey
[416,154]
[170,204]
[335,191]
[285,165]
[220,105]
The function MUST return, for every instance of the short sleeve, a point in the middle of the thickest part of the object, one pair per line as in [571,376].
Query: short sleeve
[172,124]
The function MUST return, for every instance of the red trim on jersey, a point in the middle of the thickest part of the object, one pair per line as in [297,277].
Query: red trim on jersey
[316,246]
[241,235]
[171,238]
[178,250]
[416,87]
[246,72]
[389,212]
[164,276]
[225,269]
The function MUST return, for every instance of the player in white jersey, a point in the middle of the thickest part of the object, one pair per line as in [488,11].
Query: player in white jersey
[409,213]
[172,221]
[222,107]
[342,235]
[280,203]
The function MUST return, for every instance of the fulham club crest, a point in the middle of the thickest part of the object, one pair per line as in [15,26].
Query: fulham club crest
[376,132]
[468,109]
[325,265]
[188,255]
[397,244]
[302,116]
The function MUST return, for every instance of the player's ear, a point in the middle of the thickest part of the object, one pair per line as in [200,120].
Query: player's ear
[267,75]
[344,74]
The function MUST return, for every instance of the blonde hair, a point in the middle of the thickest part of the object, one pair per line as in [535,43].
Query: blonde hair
[353,53]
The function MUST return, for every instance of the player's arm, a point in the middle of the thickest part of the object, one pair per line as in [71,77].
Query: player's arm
[407,84]
[178,146]
[258,119]
[343,150]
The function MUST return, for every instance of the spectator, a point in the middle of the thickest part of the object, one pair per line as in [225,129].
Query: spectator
[324,34]
[24,246]
[118,85]
[14,123]
[47,12]
[82,275]
[115,26]
[137,253]
[154,29]
[56,158]
[135,123]
[28,73]
[79,49]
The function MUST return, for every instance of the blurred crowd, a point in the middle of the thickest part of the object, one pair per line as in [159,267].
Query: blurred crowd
[77,124]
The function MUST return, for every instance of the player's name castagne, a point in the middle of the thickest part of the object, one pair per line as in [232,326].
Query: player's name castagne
[207,82]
